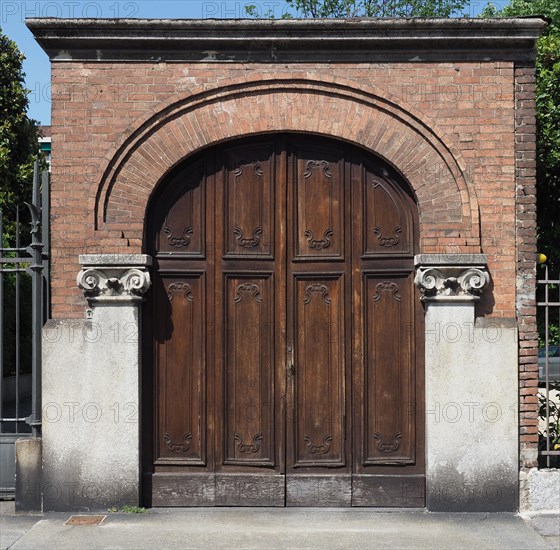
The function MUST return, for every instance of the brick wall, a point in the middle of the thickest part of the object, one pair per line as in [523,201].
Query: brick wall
[466,110]
[526,231]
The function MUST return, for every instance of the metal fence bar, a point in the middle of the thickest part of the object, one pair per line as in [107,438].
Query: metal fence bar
[46,240]
[546,369]
[22,263]
[2,302]
[11,399]
[35,269]
[18,321]
[17,260]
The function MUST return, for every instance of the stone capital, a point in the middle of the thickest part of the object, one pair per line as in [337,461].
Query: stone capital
[451,277]
[114,279]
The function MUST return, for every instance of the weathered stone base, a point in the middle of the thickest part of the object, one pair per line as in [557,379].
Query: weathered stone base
[29,479]
[540,491]
[471,412]
[91,391]
[471,391]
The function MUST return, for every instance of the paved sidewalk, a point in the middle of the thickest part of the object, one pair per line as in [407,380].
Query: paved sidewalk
[286,528]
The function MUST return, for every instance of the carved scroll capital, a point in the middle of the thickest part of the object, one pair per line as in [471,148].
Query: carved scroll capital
[108,278]
[439,278]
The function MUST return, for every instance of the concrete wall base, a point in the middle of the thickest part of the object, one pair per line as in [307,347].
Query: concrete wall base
[90,412]
[91,391]
[471,391]
[471,412]
[91,388]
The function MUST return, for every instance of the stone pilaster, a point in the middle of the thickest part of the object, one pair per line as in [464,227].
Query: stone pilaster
[471,390]
[91,389]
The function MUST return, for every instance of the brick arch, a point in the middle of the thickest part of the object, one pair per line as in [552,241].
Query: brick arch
[363,118]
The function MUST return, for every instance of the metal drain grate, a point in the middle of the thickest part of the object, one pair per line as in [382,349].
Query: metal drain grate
[85,520]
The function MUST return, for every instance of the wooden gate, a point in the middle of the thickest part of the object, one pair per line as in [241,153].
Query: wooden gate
[284,362]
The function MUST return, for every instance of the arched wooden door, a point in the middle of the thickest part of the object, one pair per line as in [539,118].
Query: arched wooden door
[285,362]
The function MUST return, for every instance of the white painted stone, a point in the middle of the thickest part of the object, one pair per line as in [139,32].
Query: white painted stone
[91,389]
[132,260]
[471,410]
[451,260]
[91,411]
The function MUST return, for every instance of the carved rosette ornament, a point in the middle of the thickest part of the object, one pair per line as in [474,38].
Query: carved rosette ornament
[248,447]
[178,242]
[177,447]
[250,288]
[322,164]
[446,281]
[388,446]
[321,448]
[318,244]
[254,163]
[248,242]
[316,288]
[387,242]
[114,278]
[184,288]
[386,286]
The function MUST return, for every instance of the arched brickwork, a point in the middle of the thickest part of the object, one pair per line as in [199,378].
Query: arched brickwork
[447,205]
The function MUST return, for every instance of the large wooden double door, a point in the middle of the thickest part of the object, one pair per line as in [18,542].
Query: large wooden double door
[285,363]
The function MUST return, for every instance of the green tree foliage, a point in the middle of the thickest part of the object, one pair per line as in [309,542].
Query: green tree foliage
[376,8]
[18,133]
[370,8]
[18,149]
[548,120]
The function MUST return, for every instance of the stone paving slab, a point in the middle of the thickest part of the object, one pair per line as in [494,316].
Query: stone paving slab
[13,528]
[547,525]
[287,528]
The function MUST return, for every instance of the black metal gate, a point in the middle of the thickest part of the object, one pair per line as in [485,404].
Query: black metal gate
[24,308]
[548,321]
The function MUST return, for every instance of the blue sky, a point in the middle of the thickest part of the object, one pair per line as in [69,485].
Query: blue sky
[37,68]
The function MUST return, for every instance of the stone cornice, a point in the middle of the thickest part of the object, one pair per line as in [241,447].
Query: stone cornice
[234,40]
[451,277]
[114,279]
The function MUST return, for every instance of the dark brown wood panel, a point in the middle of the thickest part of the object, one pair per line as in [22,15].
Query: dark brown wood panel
[319,372]
[182,230]
[387,227]
[181,433]
[319,199]
[249,378]
[389,416]
[286,333]
[248,202]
